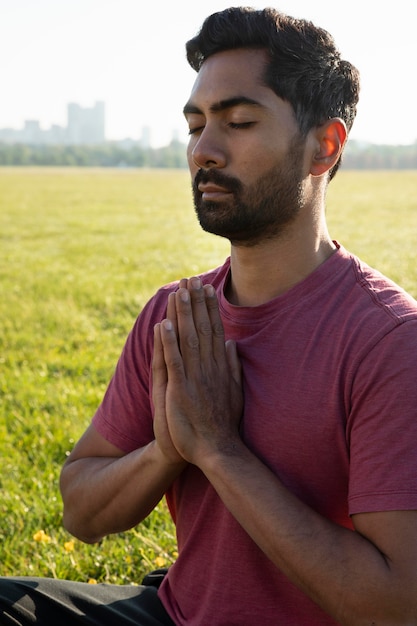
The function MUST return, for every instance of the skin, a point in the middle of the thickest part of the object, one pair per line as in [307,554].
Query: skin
[365,577]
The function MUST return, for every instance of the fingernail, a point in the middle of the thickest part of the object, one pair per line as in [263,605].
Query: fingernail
[209,289]
[184,295]
[195,282]
[167,324]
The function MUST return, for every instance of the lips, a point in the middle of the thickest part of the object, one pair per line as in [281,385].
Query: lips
[210,191]
[214,185]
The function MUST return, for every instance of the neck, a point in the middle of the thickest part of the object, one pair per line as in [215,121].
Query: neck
[263,272]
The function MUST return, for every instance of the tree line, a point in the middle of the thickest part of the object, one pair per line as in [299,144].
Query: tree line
[103,155]
[113,154]
[383,157]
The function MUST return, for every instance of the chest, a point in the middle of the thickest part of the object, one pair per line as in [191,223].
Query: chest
[296,404]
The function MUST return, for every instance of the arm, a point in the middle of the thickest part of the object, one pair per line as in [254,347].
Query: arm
[364,577]
[105,490]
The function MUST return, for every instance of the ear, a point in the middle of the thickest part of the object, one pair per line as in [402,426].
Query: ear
[330,139]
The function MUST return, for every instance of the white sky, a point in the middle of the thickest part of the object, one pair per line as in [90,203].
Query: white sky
[130,53]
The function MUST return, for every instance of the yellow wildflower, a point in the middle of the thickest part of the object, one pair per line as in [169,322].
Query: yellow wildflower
[69,546]
[41,537]
[92,581]
[160,561]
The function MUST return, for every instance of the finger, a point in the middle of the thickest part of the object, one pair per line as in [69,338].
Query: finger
[171,309]
[171,353]
[216,324]
[159,372]
[172,312]
[158,361]
[201,317]
[234,361]
[188,337]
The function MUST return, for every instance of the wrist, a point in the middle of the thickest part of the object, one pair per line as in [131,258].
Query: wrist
[228,453]
[173,463]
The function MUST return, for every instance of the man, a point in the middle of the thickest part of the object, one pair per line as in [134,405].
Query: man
[272,400]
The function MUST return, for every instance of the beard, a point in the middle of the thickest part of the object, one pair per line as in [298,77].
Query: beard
[257,212]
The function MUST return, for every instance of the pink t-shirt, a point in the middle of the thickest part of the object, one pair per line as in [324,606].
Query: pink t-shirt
[330,406]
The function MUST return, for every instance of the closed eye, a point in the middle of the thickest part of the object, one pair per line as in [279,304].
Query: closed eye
[198,129]
[241,125]
[234,125]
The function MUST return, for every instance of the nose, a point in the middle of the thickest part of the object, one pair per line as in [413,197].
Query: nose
[207,152]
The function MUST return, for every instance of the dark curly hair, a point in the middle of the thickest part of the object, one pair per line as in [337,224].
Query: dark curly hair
[305,66]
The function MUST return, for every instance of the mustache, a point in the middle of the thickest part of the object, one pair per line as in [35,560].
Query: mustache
[217,178]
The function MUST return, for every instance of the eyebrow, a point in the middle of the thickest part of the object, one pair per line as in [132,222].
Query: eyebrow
[222,105]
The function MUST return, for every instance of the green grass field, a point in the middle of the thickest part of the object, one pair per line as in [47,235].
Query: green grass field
[81,252]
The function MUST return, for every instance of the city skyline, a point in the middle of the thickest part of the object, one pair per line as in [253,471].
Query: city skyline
[85,125]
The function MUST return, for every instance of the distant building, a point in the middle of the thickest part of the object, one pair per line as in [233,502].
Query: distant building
[84,126]
[32,132]
[146,137]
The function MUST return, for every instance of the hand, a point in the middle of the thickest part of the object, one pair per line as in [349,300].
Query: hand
[159,386]
[204,399]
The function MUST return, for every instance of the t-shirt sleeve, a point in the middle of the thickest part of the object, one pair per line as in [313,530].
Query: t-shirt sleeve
[125,416]
[382,427]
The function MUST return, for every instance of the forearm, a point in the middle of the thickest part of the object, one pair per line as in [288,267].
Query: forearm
[104,495]
[339,569]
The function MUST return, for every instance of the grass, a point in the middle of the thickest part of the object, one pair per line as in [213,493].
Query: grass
[374,214]
[81,252]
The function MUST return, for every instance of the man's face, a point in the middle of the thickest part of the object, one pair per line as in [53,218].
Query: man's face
[245,153]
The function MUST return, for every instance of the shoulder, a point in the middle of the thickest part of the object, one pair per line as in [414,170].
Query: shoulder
[376,294]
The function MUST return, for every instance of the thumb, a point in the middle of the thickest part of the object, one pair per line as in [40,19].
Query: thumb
[234,361]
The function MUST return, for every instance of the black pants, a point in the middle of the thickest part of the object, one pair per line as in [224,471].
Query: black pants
[50,602]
